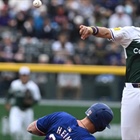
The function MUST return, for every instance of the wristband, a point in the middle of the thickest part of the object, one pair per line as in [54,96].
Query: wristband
[95,30]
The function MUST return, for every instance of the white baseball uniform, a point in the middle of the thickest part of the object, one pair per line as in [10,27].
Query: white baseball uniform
[20,117]
[129,38]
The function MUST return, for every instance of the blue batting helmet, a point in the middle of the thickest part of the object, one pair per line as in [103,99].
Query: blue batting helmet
[100,115]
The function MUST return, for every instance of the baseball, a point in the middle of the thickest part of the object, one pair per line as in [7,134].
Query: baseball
[37,3]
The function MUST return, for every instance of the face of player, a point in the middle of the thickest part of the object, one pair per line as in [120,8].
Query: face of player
[24,78]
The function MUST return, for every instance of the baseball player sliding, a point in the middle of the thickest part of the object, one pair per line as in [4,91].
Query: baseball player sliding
[63,126]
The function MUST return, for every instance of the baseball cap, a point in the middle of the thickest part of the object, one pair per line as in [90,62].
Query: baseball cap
[100,115]
[24,70]
[120,9]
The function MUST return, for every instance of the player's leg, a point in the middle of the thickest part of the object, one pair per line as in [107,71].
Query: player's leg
[130,114]
[30,115]
[15,123]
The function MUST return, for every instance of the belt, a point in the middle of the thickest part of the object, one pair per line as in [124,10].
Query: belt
[136,85]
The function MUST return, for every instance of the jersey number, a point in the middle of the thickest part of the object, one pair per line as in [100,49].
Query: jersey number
[52,137]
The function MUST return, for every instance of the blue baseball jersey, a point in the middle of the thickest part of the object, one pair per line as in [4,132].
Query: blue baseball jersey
[62,126]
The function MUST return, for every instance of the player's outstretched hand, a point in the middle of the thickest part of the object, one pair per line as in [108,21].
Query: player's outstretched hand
[85,31]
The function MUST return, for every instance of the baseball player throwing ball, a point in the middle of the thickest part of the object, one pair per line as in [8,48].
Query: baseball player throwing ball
[129,38]
[63,126]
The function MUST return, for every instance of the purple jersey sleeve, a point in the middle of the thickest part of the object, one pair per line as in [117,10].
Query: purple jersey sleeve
[44,123]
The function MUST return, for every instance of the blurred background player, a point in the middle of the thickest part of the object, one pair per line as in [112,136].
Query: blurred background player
[61,125]
[23,94]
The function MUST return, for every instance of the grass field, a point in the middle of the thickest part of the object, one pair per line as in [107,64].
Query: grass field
[75,108]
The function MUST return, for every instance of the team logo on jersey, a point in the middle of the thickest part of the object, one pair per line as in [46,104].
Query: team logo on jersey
[136,51]
[117,29]
[69,129]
